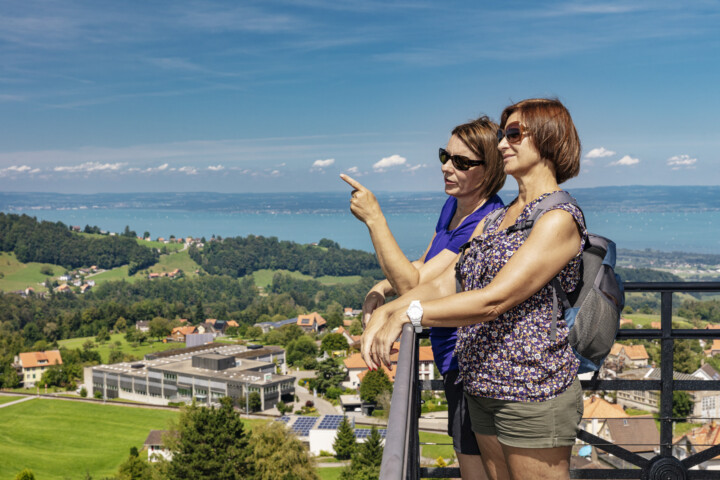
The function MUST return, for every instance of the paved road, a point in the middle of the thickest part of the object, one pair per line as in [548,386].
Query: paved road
[323,406]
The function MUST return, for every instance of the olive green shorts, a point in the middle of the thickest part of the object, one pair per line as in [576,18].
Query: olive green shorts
[552,423]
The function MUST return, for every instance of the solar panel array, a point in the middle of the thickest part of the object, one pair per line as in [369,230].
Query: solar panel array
[330,422]
[365,432]
[303,425]
[284,419]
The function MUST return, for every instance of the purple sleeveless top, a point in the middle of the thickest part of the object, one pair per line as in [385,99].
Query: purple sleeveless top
[443,339]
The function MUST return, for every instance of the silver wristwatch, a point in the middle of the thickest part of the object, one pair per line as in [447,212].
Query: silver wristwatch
[415,314]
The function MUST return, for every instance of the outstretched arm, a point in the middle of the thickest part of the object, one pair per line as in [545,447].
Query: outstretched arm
[399,271]
[554,241]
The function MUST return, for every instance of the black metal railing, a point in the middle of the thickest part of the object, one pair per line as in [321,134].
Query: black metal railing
[401,459]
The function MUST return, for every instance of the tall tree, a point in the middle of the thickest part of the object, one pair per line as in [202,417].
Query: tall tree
[333,342]
[345,443]
[365,464]
[209,444]
[277,454]
[327,375]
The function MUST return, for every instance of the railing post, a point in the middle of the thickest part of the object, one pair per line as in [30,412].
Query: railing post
[666,374]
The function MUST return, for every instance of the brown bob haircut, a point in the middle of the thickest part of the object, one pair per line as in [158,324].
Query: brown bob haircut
[552,131]
[480,136]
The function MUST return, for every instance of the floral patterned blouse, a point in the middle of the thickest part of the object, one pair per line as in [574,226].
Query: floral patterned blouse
[513,357]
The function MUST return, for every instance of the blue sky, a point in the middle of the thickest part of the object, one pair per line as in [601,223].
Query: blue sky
[267,96]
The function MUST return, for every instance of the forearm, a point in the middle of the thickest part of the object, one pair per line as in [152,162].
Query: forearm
[400,272]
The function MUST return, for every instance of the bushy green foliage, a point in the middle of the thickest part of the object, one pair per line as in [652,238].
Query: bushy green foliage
[328,375]
[333,342]
[240,256]
[300,349]
[134,468]
[209,444]
[373,384]
[47,242]
[278,454]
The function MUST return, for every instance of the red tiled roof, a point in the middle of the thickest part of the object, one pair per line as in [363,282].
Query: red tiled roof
[40,359]
[311,319]
[596,407]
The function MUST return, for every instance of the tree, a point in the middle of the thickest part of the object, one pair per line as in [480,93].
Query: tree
[373,384]
[10,378]
[209,444]
[682,405]
[283,408]
[199,315]
[328,375]
[345,443]
[298,350]
[687,355]
[160,327]
[103,335]
[120,325]
[333,342]
[365,464]
[134,468]
[276,452]
[356,327]
[253,332]
[255,402]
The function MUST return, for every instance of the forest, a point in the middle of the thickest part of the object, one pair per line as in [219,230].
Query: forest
[239,256]
[48,242]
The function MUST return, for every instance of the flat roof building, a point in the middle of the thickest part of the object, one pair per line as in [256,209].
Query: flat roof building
[203,374]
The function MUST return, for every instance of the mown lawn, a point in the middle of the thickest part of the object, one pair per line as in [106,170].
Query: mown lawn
[330,473]
[15,275]
[59,439]
[444,450]
[104,348]
[263,278]
[9,398]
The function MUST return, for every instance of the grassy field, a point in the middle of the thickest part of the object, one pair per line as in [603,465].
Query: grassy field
[645,320]
[180,260]
[434,451]
[9,398]
[264,277]
[125,347]
[330,473]
[58,439]
[19,276]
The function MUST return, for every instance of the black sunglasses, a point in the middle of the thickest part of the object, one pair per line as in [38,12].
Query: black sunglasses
[513,132]
[458,161]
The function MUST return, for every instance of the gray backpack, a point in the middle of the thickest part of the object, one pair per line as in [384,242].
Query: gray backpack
[592,310]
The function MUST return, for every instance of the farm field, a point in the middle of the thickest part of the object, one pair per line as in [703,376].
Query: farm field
[15,275]
[264,277]
[104,348]
[646,320]
[60,439]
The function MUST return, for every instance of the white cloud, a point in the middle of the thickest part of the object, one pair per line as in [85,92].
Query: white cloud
[599,153]
[188,170]
[626,160]
[353,170]
[415,167]
[387,162]
[323,163]
[216,168]
[681,161]
[162,167]
[275,173]
[18,169]
[91,167]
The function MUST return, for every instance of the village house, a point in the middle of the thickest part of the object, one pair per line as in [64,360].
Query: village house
[143,325]
[646,399]
[628,356]
[714,348]
[267,326]
[698,440]
[353,340]
[707,402]
[637,434]
[311,322]
[34,364]
[178,333]
[357,368]
[156,449]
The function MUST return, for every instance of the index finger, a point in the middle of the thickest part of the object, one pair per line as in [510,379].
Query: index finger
[352,182]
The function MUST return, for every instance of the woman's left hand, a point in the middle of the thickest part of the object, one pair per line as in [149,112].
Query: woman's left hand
[380,334]
[363,203]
